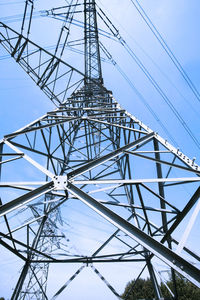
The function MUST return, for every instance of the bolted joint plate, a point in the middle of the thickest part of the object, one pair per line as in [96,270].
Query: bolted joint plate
[60,182]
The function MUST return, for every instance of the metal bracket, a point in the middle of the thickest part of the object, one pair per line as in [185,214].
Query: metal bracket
[60,182]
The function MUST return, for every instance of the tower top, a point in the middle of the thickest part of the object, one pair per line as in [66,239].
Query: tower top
[93,71]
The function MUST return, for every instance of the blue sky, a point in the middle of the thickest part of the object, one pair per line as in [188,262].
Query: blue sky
[178,22]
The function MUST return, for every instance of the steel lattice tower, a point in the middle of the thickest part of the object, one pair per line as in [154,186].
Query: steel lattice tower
[90,150]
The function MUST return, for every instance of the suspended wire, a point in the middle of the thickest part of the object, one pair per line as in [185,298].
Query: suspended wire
[11,3]
[116,34]
[52,47]
[45,13]
[172,84]
[2,57]
[150,58]
[18,17]
[152,81]
[145,102]
[140,96]
[166,48]
[162,94]
[154,63]
[75,22]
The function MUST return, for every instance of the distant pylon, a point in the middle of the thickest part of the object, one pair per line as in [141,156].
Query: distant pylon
[90,150]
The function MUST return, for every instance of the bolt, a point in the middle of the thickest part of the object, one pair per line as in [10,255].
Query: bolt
[194,158]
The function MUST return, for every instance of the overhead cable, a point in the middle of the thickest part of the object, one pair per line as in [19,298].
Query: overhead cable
[188,102]
[136,91]
[151,79]
[166,48]
[11,3]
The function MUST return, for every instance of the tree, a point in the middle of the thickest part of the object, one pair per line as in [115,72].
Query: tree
[143,289]
[186,290]
[140,289]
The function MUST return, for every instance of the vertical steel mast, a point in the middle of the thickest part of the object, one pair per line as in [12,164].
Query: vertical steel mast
[93,72]
[90,152]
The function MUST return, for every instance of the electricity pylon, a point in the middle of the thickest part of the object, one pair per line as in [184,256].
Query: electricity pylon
[90,150]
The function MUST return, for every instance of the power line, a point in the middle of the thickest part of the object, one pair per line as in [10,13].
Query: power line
[162,94]
[11,3]
[151,79]
[140,96]
[18,17]
[136,59]
[166,48]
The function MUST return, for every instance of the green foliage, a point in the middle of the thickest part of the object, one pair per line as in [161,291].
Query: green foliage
[186,290]
[143,289]
[2,298]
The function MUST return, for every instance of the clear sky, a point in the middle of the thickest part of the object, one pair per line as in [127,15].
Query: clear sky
[178,21]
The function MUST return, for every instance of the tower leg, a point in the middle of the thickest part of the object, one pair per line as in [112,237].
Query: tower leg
[20,282]
[154,281]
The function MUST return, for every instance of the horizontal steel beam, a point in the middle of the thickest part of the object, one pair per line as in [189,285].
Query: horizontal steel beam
[26,247]
[7,246]
[136,181]
[165,254]
[185,159]
[159,161]
[96,162]
[30,160]
[89,260]
[116,125]
[119,204]
[40,126]
[16,203]
[25,224]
